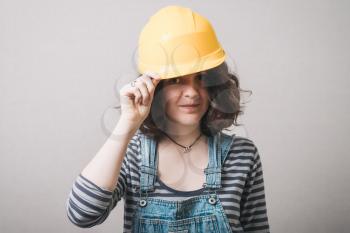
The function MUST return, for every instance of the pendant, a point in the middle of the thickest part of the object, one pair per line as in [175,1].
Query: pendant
[187,149]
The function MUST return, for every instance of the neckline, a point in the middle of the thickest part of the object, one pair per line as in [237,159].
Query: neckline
[191,192]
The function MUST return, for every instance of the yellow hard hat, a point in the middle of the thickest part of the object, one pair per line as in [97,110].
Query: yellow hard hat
[177,41]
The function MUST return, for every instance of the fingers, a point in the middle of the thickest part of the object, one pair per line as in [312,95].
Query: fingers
[133,94]
[138,94]
[147,84]
[143,89]
[155,76]
[145,96]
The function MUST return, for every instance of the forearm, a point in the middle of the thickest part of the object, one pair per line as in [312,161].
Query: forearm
[104,168]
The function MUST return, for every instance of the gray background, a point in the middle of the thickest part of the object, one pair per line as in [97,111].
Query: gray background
[62,62]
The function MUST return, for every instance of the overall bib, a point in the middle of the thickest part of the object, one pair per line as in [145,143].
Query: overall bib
[203,213]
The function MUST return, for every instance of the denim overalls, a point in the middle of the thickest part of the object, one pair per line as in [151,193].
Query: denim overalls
[197,214]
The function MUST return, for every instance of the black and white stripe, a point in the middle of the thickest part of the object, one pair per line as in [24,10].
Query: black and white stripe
[242,194]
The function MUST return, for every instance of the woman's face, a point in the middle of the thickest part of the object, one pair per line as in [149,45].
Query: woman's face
[181,91]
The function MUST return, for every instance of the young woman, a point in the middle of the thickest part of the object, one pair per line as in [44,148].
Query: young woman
[170,161]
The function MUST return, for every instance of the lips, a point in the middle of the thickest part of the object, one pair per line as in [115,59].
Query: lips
[189,105]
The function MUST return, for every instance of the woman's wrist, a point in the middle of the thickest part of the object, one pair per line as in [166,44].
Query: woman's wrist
[125,126]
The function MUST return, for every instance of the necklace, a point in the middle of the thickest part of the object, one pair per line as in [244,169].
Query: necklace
[186,148]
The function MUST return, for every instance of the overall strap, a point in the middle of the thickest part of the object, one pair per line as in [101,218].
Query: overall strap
[226,144]
[219,144]
[149,163]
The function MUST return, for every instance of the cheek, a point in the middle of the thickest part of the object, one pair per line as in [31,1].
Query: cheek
[170,100]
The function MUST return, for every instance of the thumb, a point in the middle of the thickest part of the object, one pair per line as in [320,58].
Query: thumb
[127,97]
[155,81]
[155,77]
[127,100]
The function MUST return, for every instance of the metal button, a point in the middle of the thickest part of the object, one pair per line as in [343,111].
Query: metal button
[212,200]
[143,202]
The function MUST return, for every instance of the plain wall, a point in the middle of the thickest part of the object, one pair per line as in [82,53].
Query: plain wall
[62,62]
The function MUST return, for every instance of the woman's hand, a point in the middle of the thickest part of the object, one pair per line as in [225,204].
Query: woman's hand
[136,101]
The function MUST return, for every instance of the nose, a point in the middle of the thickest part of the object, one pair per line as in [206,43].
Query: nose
[191,89]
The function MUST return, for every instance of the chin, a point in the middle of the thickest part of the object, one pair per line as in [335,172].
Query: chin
[186,119]
[189,123]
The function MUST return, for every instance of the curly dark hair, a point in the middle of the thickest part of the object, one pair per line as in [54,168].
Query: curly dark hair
[224,104]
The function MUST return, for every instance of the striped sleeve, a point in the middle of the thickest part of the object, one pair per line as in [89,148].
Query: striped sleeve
[89,205]
[253,204]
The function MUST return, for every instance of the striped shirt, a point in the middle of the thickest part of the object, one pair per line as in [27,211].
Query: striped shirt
[242,193]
